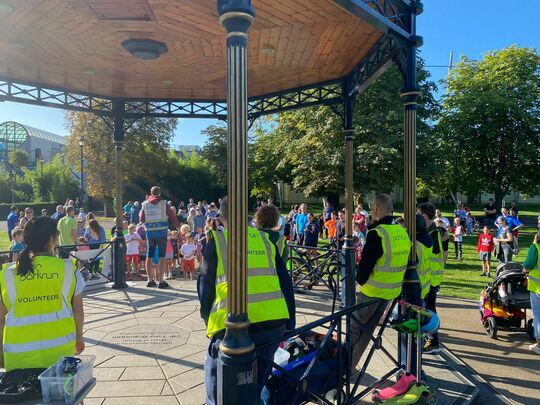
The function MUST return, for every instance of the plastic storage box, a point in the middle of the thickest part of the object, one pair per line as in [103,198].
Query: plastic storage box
[66,389]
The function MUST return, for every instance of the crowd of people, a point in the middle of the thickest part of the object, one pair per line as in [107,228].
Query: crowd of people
[161,239]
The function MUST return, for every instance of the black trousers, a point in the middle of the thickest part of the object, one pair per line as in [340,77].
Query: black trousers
[431,304]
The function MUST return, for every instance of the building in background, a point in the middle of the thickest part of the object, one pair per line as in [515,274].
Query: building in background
[185,150]
[38,144]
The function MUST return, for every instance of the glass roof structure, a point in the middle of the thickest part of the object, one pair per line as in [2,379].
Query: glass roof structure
[14,134]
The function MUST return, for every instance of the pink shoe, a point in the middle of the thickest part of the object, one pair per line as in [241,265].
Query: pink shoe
[399,388]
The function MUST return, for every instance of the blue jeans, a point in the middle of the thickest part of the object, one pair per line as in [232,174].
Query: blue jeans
[263,368]
[535,307]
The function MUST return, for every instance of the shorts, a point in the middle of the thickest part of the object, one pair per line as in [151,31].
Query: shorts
[485,256]
[132,258]
[188,266]
[169,255]
[160,243]
[142,258]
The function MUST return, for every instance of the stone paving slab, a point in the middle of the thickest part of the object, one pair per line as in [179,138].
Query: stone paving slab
[150,345]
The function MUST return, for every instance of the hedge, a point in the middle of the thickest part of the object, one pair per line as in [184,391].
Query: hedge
[5,209]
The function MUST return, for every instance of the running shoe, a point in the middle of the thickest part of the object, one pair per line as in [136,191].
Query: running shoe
[163,284]
[431,347]
[151,283]
[535,348]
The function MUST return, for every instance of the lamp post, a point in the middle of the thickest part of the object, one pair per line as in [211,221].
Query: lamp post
[81,144]
[41,161]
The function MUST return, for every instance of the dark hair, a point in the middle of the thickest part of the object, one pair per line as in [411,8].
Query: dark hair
[93,224]
[427,208]
[267,217]
[420,223]
[37,234]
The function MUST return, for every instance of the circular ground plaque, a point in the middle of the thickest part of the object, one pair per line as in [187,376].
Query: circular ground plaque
[156,338]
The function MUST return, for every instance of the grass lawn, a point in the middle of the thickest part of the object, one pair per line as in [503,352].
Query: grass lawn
[461,279]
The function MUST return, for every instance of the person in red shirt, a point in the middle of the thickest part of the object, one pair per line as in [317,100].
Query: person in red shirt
[485,247]
[360,219]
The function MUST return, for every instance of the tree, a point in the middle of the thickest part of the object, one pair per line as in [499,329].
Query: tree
[56,183]
[310,143]
[19,159]
[144,155]
[214,152]
[490,127]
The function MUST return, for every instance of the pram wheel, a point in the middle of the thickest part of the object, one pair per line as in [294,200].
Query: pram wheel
[430,398]
[491,327]
[529,328]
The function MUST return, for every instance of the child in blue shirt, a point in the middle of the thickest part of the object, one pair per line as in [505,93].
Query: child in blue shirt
[17,245]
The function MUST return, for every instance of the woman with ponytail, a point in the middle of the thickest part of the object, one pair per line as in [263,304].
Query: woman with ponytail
[41,307]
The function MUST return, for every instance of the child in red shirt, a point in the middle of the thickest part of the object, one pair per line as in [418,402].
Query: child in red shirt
[485,247]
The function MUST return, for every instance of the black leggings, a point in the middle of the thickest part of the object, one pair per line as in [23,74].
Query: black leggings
[458,249]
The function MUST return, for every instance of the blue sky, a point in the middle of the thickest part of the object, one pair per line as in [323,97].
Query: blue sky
[466,27]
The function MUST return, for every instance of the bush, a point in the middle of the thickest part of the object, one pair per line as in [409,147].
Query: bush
[5,209]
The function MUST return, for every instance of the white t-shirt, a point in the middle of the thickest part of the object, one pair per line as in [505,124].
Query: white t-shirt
[188,250]
[458,234]
[132,243]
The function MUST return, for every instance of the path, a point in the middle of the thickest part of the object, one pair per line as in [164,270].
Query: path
[506,363]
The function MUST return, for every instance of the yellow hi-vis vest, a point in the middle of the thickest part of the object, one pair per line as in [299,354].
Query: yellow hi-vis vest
[423,269]
[265,299]
[534,275]
[39,327]
[386,280]
[436,262]
[282,247]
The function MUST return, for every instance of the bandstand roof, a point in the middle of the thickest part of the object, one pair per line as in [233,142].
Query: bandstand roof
[75,45]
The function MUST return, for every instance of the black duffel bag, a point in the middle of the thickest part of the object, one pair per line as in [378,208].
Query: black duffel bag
[20,385]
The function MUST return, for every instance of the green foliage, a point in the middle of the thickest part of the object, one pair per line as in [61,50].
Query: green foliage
[215,152]
[489,131]
[144,153]
[19,159]
[55,183]
[306,147]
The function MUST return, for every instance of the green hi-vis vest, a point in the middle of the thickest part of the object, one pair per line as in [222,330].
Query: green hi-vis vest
[386,280]
[264,296]
[39,327]
[436,262]
[423,269]
[534,275]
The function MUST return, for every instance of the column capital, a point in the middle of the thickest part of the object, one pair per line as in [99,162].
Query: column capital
[409,97]
[236,15]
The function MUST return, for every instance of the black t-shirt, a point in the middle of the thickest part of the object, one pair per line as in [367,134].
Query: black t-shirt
[491,207]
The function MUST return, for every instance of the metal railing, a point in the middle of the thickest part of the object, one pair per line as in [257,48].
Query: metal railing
[343,388]
[96,263]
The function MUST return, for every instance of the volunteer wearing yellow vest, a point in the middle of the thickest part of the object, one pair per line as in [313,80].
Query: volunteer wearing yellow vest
[41,312]
[532,268]
[380,272]
[271,309]
[423,252]
[266,219]
[436,260]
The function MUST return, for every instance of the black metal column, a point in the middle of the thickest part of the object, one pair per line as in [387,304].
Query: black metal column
[119,245]
[236,373]
[409,95]
[348,291]
[349,282]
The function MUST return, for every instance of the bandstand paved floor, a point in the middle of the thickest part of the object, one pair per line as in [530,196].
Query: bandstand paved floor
[150,344]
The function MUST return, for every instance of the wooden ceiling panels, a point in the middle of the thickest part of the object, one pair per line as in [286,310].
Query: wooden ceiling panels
[76,44]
